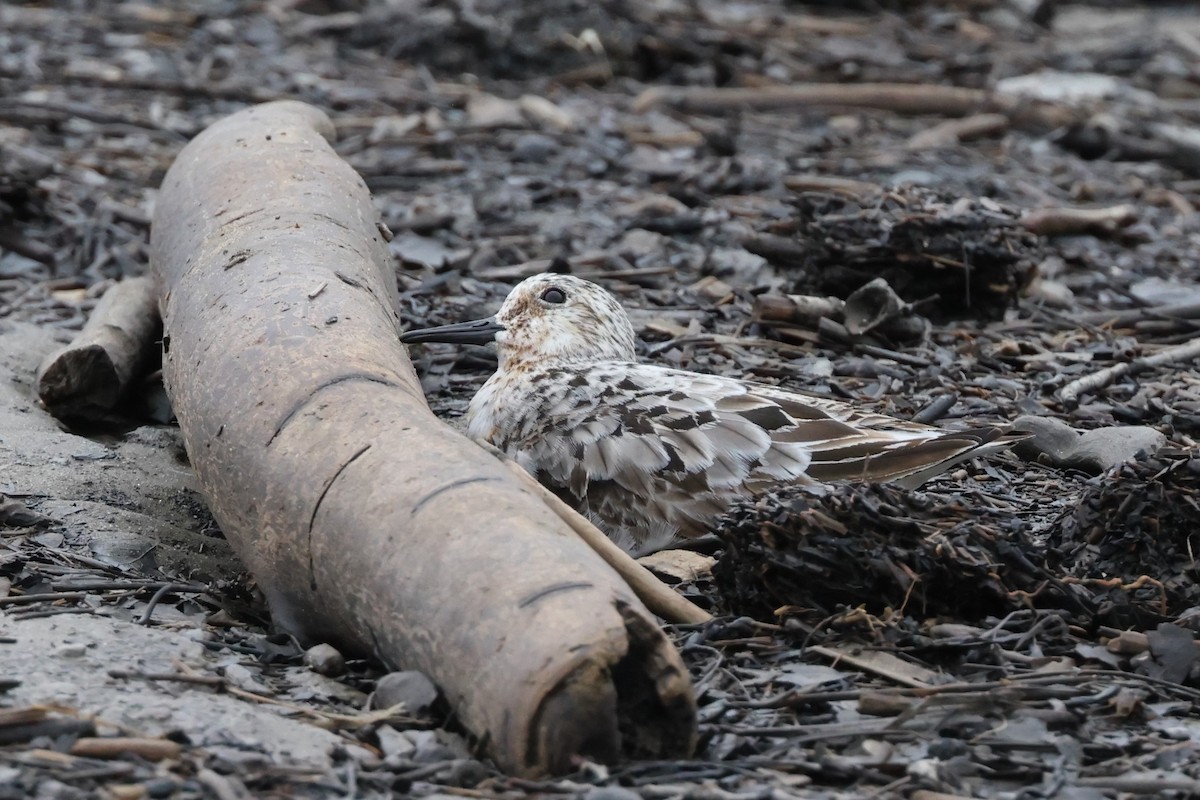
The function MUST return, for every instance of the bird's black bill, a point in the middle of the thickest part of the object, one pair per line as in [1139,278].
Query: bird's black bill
[479,331]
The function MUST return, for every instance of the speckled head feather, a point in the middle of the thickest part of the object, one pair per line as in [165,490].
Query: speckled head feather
[562,319]
[651,453]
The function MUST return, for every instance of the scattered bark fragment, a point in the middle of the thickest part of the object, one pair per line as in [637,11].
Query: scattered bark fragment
[900,98]
[797,308]
[15,514]
[118,746]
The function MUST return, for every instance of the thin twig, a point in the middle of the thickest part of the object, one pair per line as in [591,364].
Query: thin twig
[27,599]
[177,677]
[1187,351]
[162,592]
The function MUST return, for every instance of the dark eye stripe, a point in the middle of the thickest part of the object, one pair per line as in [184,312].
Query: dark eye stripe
[554,295]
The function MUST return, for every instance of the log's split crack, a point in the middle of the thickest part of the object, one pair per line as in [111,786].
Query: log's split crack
[549,590]
[312,567]
[443,489]
[300,406]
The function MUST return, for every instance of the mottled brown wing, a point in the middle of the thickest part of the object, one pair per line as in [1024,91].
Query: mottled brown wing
[654,451]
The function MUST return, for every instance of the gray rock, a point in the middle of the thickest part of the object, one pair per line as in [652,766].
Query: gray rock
[71,651]
[1102,448]
[1052,438]
[410,687]
[394,744]
[325,659]
[611,793]
[160,787]
[534,148]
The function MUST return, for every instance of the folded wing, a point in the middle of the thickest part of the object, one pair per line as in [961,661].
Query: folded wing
[658,451]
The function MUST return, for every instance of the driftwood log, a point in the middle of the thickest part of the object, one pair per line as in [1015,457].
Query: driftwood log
[88,377]
[366,521]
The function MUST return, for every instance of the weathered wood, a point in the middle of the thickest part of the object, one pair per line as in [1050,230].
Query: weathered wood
[367,522]
[88,377]
[900,98]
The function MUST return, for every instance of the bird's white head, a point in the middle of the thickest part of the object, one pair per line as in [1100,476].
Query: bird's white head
[547,319]
[561,318]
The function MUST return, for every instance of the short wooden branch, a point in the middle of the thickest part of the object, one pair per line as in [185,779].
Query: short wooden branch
[1075,221]
[88,377]
[1070,394]
[899,98]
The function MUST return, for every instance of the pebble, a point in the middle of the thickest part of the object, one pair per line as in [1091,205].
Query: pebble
[947,748]
[1051,437]
[1102,448]
[1092,451]
[1055,294]
[410,687]
[241,677]
[71,651]
[325,659]
[160,787]
[535,148]
[611,793]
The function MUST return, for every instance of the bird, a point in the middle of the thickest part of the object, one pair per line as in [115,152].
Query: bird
[652,454]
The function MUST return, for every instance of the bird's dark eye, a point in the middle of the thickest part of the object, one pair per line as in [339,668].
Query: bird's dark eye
[554,295]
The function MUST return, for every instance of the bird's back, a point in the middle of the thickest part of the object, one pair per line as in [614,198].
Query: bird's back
[650,453]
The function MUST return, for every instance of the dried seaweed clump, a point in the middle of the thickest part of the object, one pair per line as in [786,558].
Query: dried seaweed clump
[973,254]
[20,197]
[818,548]
[1141,518]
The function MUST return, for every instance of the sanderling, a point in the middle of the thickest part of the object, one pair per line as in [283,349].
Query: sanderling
[651,453]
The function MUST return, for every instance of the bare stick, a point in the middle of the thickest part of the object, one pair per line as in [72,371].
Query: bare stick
[1185,311]
[1071,221]
[901,98]
[797,308]
[954,131]
[114,746]
[1097,380]
[177,677]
